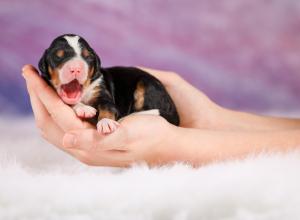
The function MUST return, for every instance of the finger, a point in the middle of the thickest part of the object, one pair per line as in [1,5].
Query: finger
[53,134]
[49,130]
[91,140]
[39,111]
[62,114]
[92,148]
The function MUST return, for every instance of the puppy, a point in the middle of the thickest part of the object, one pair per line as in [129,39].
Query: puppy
[102,95]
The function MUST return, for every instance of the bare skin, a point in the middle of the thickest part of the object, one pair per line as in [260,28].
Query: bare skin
[207,131]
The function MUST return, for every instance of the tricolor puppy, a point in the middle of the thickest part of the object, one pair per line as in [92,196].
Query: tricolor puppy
[102,95]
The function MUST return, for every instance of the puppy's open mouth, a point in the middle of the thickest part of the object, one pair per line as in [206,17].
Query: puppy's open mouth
[71,92]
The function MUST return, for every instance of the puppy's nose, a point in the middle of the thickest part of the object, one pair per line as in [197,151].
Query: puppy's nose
[76,68]
[73,69]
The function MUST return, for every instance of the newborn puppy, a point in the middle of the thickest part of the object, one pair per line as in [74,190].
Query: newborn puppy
[102,95]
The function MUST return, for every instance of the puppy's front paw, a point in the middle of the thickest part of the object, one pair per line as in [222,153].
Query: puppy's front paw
[107,126]
[84,111]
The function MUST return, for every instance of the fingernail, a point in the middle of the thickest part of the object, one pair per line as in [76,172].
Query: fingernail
[69,140]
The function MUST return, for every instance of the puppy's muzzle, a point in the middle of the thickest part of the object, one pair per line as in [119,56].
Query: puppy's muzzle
[73,69]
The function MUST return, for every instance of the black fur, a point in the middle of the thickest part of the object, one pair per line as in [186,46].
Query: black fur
[118,86]
[123,81]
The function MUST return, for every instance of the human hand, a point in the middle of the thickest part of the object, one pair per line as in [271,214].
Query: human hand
[139,138]
[195,109]
[132,142]
[52,116]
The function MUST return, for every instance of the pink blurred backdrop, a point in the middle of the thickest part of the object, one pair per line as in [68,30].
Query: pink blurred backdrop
[243,54]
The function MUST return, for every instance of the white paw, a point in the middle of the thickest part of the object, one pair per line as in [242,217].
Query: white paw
[106,126]
[84,111]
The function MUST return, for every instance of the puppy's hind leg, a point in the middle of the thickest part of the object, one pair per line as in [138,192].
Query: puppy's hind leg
[107,118]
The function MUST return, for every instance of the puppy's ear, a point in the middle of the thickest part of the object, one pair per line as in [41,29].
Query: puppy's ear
[43,66]
[97,65]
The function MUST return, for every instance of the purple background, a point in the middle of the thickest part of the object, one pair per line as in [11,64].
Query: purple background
[244,54]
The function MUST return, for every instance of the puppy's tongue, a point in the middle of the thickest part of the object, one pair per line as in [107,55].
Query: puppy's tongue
[71,92]
[71,89]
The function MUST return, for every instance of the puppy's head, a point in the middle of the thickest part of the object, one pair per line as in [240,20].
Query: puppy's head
[70,65]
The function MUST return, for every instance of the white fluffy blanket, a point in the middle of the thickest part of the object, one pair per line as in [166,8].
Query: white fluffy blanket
[37,181]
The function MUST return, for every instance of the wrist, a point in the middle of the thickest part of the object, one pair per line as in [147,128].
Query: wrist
[196,147]
[182,145]
[166,150]
[212,117]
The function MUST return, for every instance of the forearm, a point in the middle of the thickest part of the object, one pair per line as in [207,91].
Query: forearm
[200,147]
[235,120]
[196,110]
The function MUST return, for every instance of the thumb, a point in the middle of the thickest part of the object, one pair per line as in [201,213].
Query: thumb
[91,139]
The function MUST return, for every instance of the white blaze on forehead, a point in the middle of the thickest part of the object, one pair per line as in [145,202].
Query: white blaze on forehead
[73,42]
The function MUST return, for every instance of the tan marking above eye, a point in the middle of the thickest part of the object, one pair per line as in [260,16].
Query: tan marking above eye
[60,53]
[85,52]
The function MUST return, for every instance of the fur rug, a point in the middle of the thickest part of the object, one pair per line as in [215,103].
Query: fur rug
[37,181]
